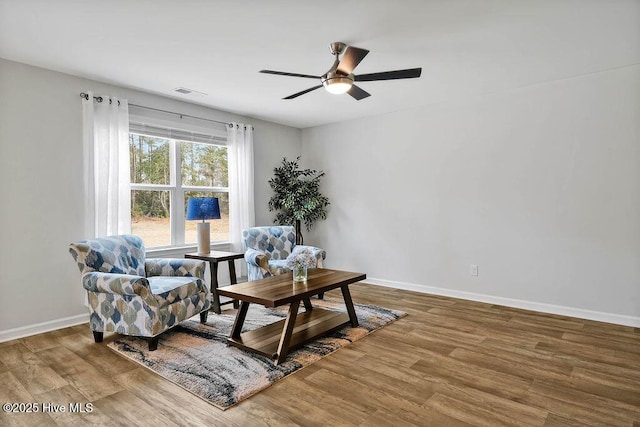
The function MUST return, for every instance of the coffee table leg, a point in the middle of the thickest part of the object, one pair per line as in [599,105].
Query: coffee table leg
[307,304]
[349,303]
[237,324]
[232,277]
[214,286]
[287,331]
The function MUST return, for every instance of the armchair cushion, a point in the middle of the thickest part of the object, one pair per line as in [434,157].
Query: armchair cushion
[167,290]
[278,266]
[278,263]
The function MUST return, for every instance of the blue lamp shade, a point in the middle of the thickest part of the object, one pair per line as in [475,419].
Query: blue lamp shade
[203,208]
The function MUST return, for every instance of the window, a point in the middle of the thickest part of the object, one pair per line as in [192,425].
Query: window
[168,167]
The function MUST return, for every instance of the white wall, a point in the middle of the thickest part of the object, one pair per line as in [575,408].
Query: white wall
[538,186]
[41,208]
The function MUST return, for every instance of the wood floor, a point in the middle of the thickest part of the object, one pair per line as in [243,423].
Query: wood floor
[449,363]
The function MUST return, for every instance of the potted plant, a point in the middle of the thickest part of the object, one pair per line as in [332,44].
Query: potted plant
[297,196]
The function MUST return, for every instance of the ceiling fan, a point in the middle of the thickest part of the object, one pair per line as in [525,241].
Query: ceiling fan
[339,79]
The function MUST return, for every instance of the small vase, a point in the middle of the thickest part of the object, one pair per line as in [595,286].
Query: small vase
[299,274]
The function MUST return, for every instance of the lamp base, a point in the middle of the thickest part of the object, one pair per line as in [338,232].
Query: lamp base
[204,238]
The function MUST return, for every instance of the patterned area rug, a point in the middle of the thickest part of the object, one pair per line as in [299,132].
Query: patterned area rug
[196,356]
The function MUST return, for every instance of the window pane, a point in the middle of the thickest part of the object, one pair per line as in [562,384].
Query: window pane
[149,159]
[204,165]
[150,217]
[219,227]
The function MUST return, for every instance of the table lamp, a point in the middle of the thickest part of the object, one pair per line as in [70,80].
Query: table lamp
[203,208]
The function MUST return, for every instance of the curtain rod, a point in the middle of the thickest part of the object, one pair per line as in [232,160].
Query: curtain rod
[100,99]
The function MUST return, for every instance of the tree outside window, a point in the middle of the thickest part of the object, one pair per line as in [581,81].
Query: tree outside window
[164,174]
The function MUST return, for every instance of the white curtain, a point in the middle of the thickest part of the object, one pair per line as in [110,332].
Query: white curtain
[240,159]
[106,166]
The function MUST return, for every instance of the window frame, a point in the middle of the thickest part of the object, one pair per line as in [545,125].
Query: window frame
[176,189]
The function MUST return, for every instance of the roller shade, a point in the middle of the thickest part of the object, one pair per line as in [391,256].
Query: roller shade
[178,134]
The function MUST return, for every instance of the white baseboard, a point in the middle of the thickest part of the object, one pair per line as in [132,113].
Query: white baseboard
[580,313]
[38,328]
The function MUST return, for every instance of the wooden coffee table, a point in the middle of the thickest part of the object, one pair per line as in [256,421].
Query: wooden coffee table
[277,339]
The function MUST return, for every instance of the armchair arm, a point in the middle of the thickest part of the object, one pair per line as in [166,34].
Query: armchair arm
[123,284]
[175,267]
[257,259]
[320,254]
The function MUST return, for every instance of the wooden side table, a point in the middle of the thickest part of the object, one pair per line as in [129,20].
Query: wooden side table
[214,258]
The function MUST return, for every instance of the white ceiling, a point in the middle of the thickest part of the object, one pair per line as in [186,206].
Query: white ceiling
[465,47]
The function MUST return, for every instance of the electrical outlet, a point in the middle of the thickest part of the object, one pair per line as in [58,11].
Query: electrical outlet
[473,269]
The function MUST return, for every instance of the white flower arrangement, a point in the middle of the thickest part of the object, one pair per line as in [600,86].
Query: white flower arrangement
[301,259]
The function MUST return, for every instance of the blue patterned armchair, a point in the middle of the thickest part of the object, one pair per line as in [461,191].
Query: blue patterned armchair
[267,249]
[131,295]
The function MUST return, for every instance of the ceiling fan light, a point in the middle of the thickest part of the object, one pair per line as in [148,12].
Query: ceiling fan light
[338,88]
[337,84]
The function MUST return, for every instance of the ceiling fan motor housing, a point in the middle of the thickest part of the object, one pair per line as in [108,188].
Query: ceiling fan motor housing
[336,82]
[333,77]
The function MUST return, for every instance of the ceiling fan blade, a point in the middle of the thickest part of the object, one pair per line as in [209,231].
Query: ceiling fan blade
[410,73]
[351,58]
[358,93]
[295,95]
[282,73]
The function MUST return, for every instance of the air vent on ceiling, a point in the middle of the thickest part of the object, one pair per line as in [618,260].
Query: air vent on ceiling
[185,91]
